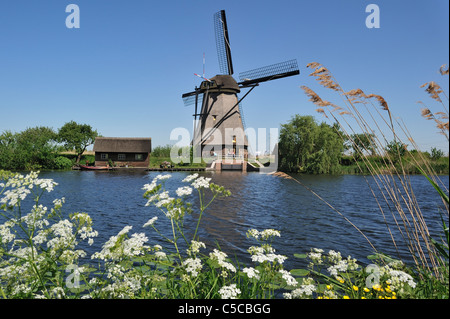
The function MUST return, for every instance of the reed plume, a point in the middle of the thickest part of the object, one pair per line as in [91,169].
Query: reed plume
[360,114]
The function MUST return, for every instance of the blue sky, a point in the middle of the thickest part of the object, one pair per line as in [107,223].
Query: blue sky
[124,70]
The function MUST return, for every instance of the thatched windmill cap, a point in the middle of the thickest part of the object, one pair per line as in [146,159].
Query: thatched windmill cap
[226,82]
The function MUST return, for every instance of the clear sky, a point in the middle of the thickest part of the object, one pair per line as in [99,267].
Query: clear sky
[124,70]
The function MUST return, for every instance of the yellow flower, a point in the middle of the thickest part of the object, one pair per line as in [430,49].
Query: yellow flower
[388,289]
[346,297]
[355,288]
[366,289]
[328,287]
[380,297]
[376,287]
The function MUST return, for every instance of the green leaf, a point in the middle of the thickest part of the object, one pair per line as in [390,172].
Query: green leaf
[301,256]
[300,272]
[439,190]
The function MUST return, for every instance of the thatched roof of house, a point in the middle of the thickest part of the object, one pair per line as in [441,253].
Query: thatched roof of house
[123,144]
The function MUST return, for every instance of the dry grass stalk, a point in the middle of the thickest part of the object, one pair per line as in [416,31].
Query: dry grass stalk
[392,183]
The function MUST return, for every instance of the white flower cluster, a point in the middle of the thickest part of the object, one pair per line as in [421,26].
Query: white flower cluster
[264,235]
[229,292]
[118,247]
[398,279]
[21,186]
[340,265]
[184,191]
[316,256]
[190,178]
[251,272]
[150,222]
[193,266]
[265,252]
[220,257]
[306,289]
[290,280]
[201,182]
[195,247]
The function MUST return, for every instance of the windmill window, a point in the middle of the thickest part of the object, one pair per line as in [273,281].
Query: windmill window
[121,157]
[214,117]
[104,156]
[139,157]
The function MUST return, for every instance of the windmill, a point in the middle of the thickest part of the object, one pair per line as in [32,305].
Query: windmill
[219,127]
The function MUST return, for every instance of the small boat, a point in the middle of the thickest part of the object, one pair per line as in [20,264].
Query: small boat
[95,168]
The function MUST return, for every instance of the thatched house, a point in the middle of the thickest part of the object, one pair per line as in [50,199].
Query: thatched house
[122,151]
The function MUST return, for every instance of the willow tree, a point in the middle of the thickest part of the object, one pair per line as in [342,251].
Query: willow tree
[308,147]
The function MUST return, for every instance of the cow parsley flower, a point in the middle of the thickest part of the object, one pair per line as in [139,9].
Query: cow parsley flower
[251,272]
[290,280]
[184,191]
[306,290]
[193,266]
[190,178]
[150,222]
[229,292]
[220,257]
[201,182]
[195,247]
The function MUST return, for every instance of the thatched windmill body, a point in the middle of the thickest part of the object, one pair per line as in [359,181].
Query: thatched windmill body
[219,127]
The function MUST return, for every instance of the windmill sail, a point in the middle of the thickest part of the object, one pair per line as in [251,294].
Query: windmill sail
[223,43]
[268,73]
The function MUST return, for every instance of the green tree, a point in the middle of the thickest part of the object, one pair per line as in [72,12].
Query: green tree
[37,147]
[33,148]
[8,143]
[76,137]
[436,153]
[396,149]
[363,143]
[306,146]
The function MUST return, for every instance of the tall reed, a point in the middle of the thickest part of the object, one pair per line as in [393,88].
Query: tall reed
[371,116]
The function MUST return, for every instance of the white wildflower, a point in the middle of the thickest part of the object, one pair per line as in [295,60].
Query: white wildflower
[253,233]
[149,187]
[271,257]
[220,257]
[306,289]
[267,233]
[184,191]
[190,178]
[251,272]
[150,222]
[195,247]
[192,266]
[290,280]
[229,292]
[201,182]
[163,177]
[160,255]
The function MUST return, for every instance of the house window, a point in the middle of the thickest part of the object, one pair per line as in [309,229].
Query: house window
[104,156]
[139,157]
[121,157]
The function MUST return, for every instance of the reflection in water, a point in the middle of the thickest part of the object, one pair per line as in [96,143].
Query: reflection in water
[114,200]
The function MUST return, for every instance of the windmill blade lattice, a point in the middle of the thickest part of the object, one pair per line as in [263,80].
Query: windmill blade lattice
[223,43]
[270,72]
